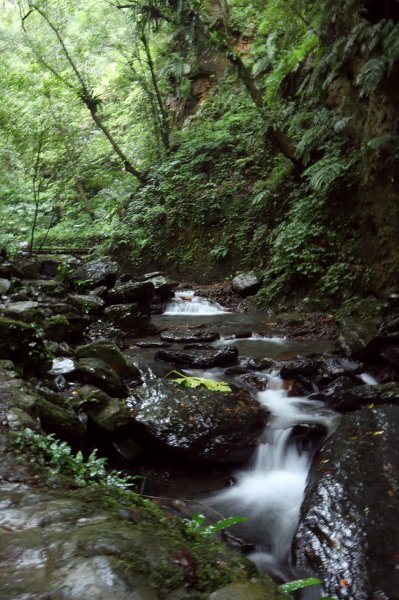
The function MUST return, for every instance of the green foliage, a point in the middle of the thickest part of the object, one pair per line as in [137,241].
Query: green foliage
[196,524]
[299,584]
[57,456]
[193,382]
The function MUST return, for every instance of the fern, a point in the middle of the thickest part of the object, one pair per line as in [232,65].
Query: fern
[325,172]
[371,75]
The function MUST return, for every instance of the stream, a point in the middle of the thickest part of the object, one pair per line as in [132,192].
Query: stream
[269,490]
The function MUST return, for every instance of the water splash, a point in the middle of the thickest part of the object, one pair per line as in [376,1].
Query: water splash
[187,303]
[270,491]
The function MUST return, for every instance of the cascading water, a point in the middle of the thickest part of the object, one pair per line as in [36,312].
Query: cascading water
[270,492]
[187,303]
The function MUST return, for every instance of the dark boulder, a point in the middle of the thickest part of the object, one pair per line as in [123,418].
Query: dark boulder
[67,327]
[164,286]
[108,351]
[225,357]
[361,395]
[246,284]
[26,311]
[349,527]
[359,339]
[9,270]
[131,291]
[96,372]
[302,366]
[132,318]
[199,424]
[21,343]
[102,271]
[111,414]
[88,304]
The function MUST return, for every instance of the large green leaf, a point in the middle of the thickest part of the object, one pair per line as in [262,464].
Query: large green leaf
[193,382]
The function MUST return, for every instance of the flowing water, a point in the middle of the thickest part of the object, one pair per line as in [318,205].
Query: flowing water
[186,302]
[270,490]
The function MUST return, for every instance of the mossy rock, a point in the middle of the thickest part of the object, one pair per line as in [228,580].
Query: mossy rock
[21,343]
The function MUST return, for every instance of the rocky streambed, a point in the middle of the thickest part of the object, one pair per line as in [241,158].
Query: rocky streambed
[84,357]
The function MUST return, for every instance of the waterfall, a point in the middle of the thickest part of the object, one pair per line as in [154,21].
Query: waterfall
[187,303]
[270,492]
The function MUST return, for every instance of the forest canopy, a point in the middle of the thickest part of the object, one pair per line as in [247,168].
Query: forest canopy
[158,128]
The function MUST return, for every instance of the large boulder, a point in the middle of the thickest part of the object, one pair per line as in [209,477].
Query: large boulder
[164,286]
[67,327]
[131,291]
[199,424]
[108,351]
[96,372]
[246,284]
[132,318]
[88,304]
[362,395]
[107,544]
[21,343]
[27,311]
[349,527]
[94,273]
[206,359]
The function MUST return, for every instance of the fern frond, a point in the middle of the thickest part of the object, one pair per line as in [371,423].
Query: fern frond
[371,75]
[325,172]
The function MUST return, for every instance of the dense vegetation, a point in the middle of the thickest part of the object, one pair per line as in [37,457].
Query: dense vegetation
[208,136]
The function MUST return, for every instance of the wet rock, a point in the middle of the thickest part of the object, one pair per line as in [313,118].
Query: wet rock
[308,436]
[34,267]
[17,400]
[248,379]
[96,372]
[391,355]
[124,293]
[5,286]
[88,304]
[226,356]
[59,418]
[358,339]
[152,345]
[302,366]
[109,352]
[75,545]
[108,413]
[24,311]
[340,385]
[164,286]
[361,395]
[102,271]
[132,318]
[9,269]
[65,327]
[350,517]
[189,336]
[199,425]
[20,343]
[246,284]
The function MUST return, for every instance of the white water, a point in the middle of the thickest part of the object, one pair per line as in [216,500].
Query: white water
[368,379]
[270,492]
[189,304]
